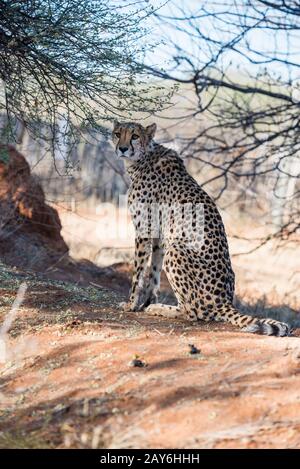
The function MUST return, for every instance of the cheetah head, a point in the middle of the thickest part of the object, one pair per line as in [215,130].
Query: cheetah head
[132,140]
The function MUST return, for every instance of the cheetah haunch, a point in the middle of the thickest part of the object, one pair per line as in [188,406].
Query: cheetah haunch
[192,243]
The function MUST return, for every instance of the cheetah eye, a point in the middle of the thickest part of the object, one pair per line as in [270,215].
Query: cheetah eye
[135,137]
[117,134]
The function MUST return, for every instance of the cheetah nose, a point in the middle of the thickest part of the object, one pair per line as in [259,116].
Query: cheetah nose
[123,149]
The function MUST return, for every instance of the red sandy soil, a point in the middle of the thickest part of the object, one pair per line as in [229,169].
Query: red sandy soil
[69,381]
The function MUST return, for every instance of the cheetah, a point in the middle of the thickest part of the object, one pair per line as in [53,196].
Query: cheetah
[194,254]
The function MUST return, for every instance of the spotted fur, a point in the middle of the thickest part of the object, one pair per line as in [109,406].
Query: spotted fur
[197,265]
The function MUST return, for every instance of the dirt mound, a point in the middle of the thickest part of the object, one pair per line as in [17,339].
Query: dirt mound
[29,228]
[30,231]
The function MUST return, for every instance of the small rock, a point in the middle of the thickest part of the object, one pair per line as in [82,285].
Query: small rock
[194,350]
[137,362]
[73,323]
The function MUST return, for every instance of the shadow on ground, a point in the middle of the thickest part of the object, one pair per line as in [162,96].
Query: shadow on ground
[77,386]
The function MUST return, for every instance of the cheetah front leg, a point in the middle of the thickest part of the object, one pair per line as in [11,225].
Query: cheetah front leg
[155,273]
[141,256]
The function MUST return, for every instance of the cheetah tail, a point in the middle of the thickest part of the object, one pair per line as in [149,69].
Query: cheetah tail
[252,324]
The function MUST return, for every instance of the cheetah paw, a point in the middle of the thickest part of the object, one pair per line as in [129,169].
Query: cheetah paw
[166,311]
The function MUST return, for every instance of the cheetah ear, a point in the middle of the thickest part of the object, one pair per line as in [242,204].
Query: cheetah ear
[150,130]
[116,124]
